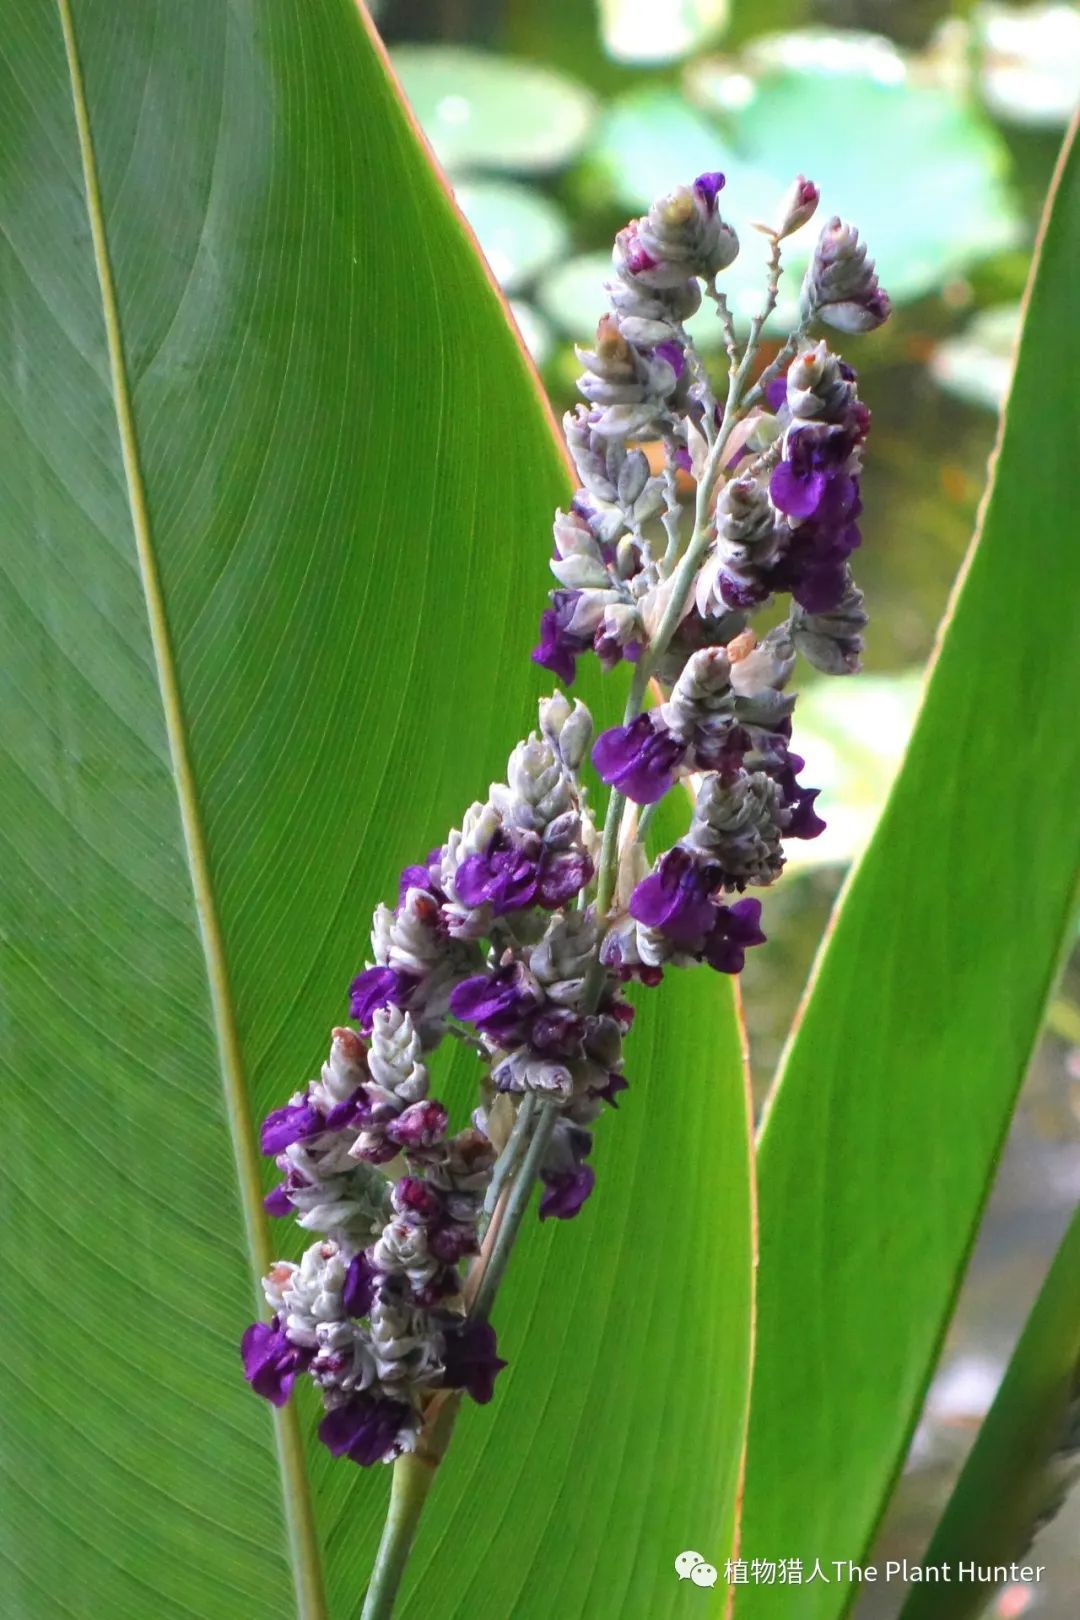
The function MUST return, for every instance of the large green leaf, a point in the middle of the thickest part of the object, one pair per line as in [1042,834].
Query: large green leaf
[277,486]
[885,1127]
[1012,1477]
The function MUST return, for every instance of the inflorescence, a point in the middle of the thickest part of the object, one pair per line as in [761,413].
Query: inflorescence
[519,934]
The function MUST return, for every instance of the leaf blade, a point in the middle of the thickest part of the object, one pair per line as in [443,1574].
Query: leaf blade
[1006,1482]
[854,1251]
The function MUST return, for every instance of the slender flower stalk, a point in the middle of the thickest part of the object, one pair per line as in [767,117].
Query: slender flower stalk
[519,936]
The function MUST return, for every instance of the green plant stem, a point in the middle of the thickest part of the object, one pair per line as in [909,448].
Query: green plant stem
[513,1212]
[413,1477]
[508,1159]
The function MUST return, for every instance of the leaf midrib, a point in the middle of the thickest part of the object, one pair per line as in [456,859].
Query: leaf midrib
[299,1517]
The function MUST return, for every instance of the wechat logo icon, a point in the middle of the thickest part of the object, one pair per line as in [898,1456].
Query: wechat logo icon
[691,1566]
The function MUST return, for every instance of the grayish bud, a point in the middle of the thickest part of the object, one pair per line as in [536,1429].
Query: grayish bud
[522,1070]
[817,390]
[832,641]
[536,790]
[402,1251]
[567,729]
[841,285]
[406,1344]
[394,1060]
[739,823]
[761,666]
[308,1294]
[567,948]
[701,695]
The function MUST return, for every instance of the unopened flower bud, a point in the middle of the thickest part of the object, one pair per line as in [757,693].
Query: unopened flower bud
[739,824]
[819,388]
[841,285]
[799,205]
[633,476]
[757,666]
[832,641]
[568,728]
[701,693]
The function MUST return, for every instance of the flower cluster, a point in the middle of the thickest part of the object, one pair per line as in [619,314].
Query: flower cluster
[519,934]
[370,1312]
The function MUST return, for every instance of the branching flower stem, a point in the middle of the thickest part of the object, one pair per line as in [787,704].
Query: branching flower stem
[517,935]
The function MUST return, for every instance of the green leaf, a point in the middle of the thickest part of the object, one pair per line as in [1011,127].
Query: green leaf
[484,111]
[830,104]
[1011,1478]
[278,484]
[886,1123]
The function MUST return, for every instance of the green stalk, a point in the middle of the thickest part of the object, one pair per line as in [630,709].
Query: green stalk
[414,1475]
[517,1202]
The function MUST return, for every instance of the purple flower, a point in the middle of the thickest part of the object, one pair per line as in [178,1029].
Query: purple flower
[557,1032]
[776,392]
[559,646]
[451,1244]
[358,1292]
[365,1429]
[355,1110]
[566,1191]
[639,759]
[805,821]
[563,873]
[567,1179]
[676,898]
[735,929]
[272,1361]
[278,1202]
[504,875]
[674,354]
[811,481]
[517,870]
[615,1084]
[374,988]
[708,187]
[500,1004]
[426,877]
[471,1361]
[296,1122]
[420,1125]
[414,1196]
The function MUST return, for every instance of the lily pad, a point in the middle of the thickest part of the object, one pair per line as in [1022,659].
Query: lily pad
[977,364]
[640,31]
[519,229]
[838,102]
[842,101]
[494,112]
[651,140]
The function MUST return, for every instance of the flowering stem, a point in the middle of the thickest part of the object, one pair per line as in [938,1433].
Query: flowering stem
[513,1211]
[414,1474]
[508,1159]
